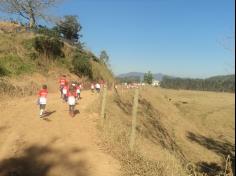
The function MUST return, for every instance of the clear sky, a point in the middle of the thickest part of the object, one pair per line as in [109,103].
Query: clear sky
[176,37]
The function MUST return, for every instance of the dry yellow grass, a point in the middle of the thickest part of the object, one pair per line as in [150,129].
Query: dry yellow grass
[10,27]
[175,128]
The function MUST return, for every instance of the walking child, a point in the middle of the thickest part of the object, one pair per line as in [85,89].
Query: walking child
[71,95]
[62,83]
[98,87]
[42,100]
[78,91]
[92,88]
[65,91]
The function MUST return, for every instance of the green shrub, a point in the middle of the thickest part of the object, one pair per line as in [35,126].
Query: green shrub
[30,50]
[50,47]
[53,32]
[82,65]
[14,65]
[3,71]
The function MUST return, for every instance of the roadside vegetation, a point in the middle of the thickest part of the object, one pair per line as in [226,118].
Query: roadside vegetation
[218,83]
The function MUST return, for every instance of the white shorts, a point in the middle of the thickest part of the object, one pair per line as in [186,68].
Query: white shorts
[64,91]
[71,100]
[42,100]
[78,91]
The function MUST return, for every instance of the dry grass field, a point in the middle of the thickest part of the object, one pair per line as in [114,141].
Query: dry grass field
[176,129]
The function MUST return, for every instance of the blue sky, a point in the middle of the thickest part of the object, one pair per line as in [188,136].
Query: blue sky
[175,37]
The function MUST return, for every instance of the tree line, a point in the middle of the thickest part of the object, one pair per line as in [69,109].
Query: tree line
[217,83]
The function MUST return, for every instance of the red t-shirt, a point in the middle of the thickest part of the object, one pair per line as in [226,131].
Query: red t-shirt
[62,81]
[78,88]
[66,87]
[43,93]
[69,94]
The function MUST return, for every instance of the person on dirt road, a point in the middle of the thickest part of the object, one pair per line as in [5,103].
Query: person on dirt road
[71,99]
[62,83]
[65,90]
[98,87]
[42,100]
[92,88]
[78,90]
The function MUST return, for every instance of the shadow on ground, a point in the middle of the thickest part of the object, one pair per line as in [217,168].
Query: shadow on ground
[41,160]
[48,113]
[221,148]
[77,112]
[3,128]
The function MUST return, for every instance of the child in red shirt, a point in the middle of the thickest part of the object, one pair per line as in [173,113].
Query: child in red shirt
[42,100]
[62,83]
[78,91]
[71,99]
[65,90]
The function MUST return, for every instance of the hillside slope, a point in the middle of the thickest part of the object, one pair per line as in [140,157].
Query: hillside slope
[21,57]
[174,128]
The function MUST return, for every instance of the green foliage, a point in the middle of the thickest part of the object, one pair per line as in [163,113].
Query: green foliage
[82,65]
[148,78]
[130,79]
[3,71]
[49,46]
[218,83]
[101,72]
[104,58]
[14,65]
[30,50]
[69,27]
[44,30]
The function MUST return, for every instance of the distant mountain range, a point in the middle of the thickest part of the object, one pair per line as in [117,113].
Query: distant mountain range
[157,76]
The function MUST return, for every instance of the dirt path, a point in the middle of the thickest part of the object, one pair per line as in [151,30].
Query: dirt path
[58,146]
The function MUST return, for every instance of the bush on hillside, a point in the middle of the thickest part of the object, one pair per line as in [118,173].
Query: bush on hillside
[101,72]
[14,65]
[82,65]
[53,32]
[3,71]
[49,46]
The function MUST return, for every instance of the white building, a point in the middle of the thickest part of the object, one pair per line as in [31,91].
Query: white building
[155,83]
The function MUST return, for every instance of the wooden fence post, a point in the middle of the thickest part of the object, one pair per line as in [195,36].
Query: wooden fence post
[103,105]
[134,119]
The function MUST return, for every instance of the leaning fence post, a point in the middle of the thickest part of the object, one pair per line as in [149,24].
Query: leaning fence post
[134,119]
[103,104]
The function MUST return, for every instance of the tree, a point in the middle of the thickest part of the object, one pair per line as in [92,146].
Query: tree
[69,27]
[30,10]
[148,77]
[104,58]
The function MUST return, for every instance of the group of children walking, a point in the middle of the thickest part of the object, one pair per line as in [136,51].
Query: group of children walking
[70,93]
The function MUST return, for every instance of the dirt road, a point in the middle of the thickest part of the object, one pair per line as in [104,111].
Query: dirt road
[57,146]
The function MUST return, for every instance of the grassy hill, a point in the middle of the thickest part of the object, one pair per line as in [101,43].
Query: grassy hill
[25,54]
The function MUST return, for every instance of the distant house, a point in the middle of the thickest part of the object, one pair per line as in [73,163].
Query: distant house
[155,83]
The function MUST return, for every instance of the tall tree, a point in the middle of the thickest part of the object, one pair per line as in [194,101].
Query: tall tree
[148,77]
[104,58]
[70,27]
[28,9]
